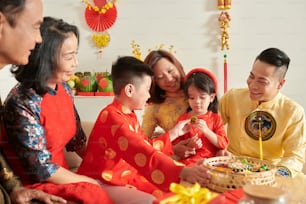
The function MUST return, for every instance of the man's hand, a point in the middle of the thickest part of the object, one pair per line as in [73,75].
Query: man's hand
[21,195]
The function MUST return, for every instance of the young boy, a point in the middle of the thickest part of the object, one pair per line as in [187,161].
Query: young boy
[118,152]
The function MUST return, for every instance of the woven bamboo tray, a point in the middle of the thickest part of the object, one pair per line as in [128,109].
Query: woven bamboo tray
[222,181]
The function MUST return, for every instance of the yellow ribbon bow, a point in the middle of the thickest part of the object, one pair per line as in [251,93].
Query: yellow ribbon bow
[189,195]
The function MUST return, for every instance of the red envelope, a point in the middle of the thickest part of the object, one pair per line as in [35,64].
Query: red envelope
[228,197]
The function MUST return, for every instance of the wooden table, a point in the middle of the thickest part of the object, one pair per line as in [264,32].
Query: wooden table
[295,186]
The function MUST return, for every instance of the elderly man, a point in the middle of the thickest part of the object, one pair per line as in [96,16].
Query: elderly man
[19,32]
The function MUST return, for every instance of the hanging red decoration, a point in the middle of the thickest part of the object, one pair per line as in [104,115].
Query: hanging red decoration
[100,3]
[100,19]
[225,73]
[100,15]
[224,19]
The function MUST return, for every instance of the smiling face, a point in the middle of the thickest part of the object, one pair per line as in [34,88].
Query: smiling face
[17,42]
[199,100]
[264,81]
[67,62]
[167,76]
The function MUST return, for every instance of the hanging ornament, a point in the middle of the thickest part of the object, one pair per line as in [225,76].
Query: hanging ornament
[224,20]
[224,4]
[101,41]
[99,17]
[225,72]
[136,51]
[100,20]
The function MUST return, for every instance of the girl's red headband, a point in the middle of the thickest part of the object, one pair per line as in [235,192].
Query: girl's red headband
[205,71]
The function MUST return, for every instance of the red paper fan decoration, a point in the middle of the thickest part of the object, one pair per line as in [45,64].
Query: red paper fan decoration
[100,22]
[100,3]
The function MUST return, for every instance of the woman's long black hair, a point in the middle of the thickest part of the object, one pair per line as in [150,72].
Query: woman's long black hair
[44,58]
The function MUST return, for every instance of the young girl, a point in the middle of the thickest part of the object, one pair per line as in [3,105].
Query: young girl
[200,89]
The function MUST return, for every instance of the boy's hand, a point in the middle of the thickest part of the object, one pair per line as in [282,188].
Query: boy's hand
[223,152]
[179,129]
[196,174]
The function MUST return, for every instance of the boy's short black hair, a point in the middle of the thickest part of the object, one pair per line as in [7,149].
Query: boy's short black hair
[126,70]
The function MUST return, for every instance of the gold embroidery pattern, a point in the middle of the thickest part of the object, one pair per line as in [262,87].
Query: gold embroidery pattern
[140,159]
[123,143]
[158,177]
[107,175]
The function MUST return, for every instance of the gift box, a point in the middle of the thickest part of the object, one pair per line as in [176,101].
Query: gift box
[228,197]
[184,195]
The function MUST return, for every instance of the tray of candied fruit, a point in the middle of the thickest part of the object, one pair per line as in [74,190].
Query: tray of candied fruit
[232,172]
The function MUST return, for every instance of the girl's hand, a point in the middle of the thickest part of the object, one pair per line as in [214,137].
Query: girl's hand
[202,126]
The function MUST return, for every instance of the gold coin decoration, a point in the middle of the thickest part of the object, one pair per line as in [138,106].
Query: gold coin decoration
[126,173]
[157,193]
[123,143]
[114,129]
[158,145]
[107,175]
[103,116]
[158,176]
[102,142]
[140,159]
[110,153]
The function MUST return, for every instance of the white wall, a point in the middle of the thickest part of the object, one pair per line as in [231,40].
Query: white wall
[192,28]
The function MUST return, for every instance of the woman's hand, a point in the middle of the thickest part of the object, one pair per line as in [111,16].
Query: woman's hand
[21,195]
